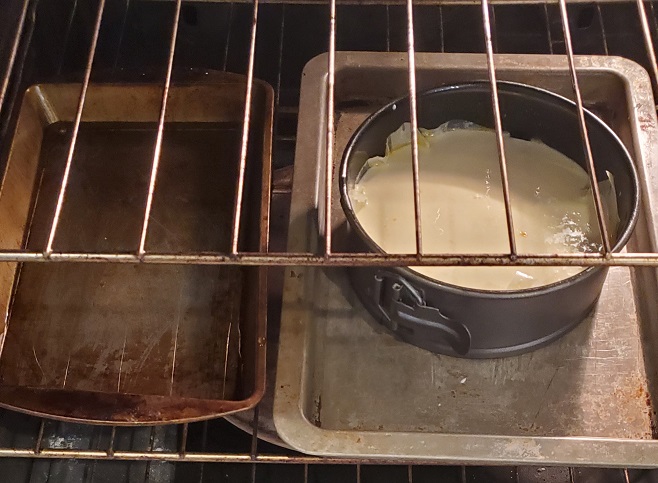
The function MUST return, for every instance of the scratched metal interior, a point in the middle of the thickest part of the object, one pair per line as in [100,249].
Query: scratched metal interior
[188,306]
[132,45]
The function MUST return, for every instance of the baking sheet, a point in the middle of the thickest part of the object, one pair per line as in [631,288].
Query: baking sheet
[345,389]
[126,343]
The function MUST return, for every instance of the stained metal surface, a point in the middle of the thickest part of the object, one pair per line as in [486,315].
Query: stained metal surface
[398,401]
[134,344]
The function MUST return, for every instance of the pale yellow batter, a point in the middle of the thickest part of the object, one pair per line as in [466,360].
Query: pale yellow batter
[462,205]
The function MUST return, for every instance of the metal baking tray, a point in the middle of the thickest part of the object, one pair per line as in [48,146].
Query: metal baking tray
[345,389]
[135,343]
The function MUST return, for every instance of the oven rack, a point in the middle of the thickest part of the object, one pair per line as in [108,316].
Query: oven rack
[13,54]
[165,453]
[329,257]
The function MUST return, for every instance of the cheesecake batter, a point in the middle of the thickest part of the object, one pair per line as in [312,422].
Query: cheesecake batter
[462,205]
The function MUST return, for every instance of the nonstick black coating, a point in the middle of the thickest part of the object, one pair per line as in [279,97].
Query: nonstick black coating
[474,323]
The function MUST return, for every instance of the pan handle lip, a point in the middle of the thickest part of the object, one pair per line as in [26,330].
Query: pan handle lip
[404,309]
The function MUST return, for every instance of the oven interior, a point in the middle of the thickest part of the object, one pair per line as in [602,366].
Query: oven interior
[47,41]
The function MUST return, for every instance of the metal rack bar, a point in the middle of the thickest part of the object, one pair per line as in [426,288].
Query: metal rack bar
[648,42]
[228,36]
[441,31]
[196,457]
[183,441]
[277,94]
[413,114]
[124,18]
[110,446]
[204,443]
[348,259]
[37,446]
[254,434]
[331,79]
[23,36]
[654,22]
[342,259]
[591,169]
[498,124]
[549,36]
[388,29]
[599,15]
[13,52]
[158,140]
[150,461]
[254,443]
[284,138]
[67,35]
[237,208]
[76,128]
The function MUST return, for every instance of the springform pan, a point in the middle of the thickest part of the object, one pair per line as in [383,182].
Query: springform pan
[465,322]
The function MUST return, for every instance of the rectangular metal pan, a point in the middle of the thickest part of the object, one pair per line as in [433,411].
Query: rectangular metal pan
[345,389]
[135,343]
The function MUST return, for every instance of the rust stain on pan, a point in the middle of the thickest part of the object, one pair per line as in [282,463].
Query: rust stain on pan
[131,409]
